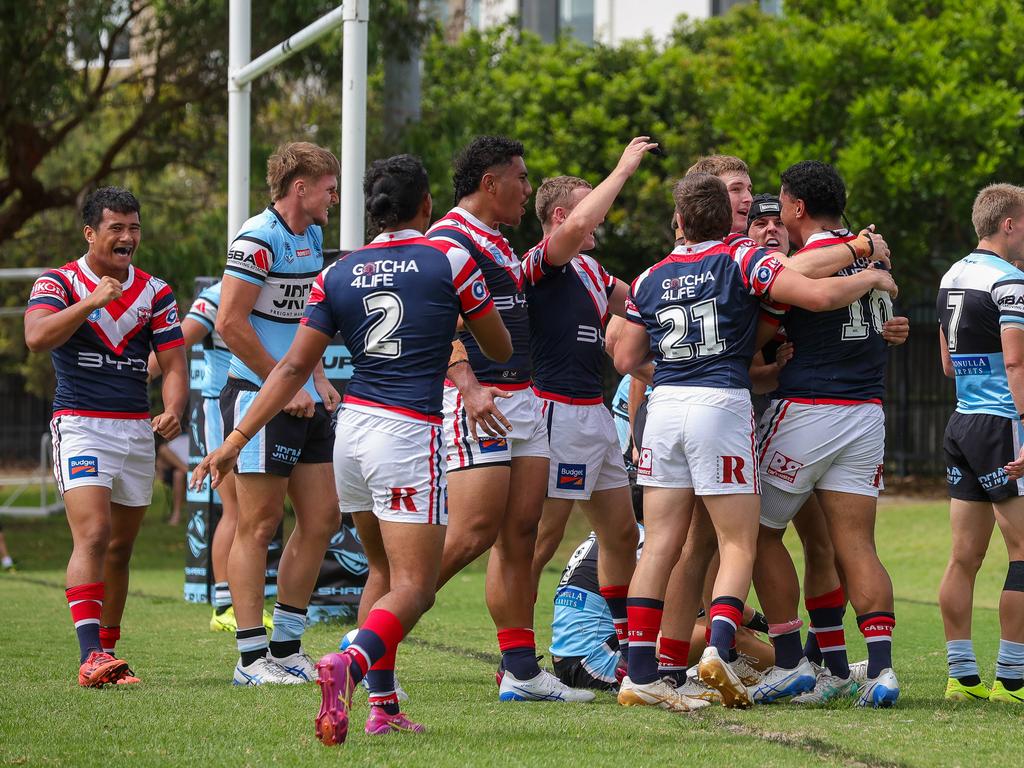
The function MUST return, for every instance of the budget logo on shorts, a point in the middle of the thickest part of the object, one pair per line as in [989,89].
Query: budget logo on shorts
[83,466]
[646,462]
[492,444]
[783,467]
[571,477]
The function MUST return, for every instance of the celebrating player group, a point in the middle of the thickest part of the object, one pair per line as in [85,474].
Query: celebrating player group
[475,418]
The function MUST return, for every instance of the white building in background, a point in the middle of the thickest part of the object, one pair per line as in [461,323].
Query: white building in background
[605,21]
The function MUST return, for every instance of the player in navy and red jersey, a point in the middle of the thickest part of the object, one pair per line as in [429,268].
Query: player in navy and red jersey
[825,432]
[491,188]
[396,302]
[695,313]
[570,296]
[100,316]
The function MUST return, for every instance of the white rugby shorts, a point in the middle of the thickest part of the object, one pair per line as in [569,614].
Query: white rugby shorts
[828,447]
[529,435]
[700,438]
[585,455]
[391,465]
[119,454]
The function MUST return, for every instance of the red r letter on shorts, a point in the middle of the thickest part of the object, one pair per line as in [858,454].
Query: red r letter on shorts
[732,469]
[402,497]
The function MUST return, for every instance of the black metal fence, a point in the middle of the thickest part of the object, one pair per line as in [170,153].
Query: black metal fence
[24,418]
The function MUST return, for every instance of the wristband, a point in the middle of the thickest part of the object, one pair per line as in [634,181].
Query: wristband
[239,444]
[853,251]
[460,360]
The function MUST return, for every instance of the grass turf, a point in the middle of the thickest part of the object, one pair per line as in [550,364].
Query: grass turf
[186,713]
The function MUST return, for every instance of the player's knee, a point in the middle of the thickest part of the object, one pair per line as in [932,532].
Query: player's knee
[258,532]
[119,551]
[967,560]
[819,552]
[93,540]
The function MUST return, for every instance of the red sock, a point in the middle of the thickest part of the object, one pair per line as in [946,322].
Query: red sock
[109,637]
[673,654]
[615,596]
[381,633]
[86,604]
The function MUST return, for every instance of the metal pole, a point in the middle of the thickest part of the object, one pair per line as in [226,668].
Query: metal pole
[353,122]
[285,50]
[44,500]
[239,51]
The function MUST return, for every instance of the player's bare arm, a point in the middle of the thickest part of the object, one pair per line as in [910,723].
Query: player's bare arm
[825,262]
[829,293]
[174,391]
[633,348]
[1012,337]
[237,299]
[947,361]
[45,330]
[479,400]
[896,331]
[492,336]
[617,299]
[193,331]
[764,377]
[588,214]
[279,388]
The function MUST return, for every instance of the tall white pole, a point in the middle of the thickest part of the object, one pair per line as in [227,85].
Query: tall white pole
[353,122]
[239,52]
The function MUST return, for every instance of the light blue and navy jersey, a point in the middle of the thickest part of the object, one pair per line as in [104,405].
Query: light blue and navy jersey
[620,410]
[700,306]
[582,621]
[216,357]
[840,356]
[265,252]
[102,368]
[396,302]
[568,307]
[978,296]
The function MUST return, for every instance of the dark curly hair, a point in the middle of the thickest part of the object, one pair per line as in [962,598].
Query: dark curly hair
[116,199]
[818,185]
[482,153]
[394,189]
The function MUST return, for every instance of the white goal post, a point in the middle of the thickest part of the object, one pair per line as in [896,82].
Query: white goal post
[353,16]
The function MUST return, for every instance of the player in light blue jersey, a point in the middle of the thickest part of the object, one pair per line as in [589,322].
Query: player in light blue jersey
[981,316]
[271,266]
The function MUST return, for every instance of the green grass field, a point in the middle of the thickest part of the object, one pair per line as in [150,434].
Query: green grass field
[186,713]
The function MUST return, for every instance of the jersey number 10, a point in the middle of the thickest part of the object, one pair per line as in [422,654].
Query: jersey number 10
[880,309]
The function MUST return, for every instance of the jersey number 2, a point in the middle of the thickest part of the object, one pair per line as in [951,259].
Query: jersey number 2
[676,320]
[389,310]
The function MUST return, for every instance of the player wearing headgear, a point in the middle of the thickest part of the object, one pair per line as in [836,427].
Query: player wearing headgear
[396,302]
[100,317]
[981,314]
[271,266]
[696,313]
[491,188]
[825,432]
[569,297]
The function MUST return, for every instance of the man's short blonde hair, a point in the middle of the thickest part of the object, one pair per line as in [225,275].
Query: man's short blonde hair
[993,205]
[556,192]
[298,159]
[716,165]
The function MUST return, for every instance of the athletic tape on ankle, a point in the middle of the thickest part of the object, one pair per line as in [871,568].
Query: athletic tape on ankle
[777,630]
[1015,577]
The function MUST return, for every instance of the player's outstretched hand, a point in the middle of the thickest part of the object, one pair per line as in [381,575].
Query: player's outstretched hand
[483,411]
[634,153]
[1015,469]
[784,354]
[216,464]
[107,290]
[883,280]
[871,245]
[301,405]
[327,393]
[896,330]
[167,425]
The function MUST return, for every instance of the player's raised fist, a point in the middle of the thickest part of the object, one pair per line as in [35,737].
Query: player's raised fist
[107,290]
[870,244]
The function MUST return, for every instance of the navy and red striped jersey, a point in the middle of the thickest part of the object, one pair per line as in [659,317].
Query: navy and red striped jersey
[396,302]
[839,357]
[503,272]
[568,307]
[700,306]
[102,369]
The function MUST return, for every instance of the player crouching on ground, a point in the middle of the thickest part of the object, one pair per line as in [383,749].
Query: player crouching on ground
[981,310]
[100,317]
[396,302]
[696,313]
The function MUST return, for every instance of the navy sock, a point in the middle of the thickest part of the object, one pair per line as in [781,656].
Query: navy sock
[788,650]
